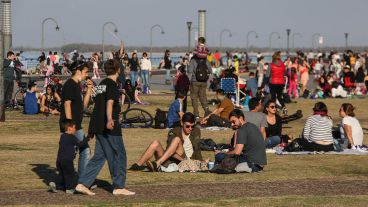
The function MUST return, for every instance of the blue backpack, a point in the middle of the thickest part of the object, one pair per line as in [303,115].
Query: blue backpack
[30,103]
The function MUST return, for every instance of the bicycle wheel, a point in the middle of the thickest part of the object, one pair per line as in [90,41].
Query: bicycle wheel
[126,105]
[18,99]
[137,118]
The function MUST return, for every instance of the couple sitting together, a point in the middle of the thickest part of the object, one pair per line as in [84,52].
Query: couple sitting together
[183,143]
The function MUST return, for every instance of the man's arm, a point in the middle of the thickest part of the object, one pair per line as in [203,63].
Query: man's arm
[68,109]
[263,131]
[236,151]
[110,121]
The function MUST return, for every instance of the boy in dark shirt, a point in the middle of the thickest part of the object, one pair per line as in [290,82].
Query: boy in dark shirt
[66,154]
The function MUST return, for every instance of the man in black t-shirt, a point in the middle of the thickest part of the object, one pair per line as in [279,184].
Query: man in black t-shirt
[248,144]
[72,107]
[105,125]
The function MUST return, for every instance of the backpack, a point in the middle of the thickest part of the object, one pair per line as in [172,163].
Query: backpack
[202,71]
[207,144]
[160,118]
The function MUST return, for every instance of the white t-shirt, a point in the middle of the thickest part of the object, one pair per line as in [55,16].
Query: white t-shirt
[357,131]
[188,147]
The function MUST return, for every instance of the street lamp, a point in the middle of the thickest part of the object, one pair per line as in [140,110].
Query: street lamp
[189,25]
[314,37]
[270,38]
[221,33]
[346,40]
[103,36]
[162,32]
[293,39]
[288,40]
[57,28]
[249,33]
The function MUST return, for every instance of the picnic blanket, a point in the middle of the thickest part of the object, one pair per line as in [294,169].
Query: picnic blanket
[345,152]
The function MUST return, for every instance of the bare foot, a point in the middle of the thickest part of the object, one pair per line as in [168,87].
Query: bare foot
[123,192]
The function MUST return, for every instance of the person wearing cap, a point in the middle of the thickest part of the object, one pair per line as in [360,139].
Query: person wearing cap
[72,106]
[197,88]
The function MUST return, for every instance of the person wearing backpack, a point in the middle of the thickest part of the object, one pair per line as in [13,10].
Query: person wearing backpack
[199,71]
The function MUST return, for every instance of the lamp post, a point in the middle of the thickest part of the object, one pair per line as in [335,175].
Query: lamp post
[249,33]
[162,32]
[293,39]
[189,25]
[270,38]
[221,33]
[5,44]
[103,36]
[313,37]
[288,40]
[57,28]
[346,40]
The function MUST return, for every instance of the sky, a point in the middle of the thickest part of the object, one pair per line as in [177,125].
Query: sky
[81,21]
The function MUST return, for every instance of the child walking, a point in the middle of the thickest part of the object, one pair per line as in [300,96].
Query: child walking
[293,80]
[64,163]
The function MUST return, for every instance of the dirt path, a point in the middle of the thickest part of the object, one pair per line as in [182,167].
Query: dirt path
[192,191]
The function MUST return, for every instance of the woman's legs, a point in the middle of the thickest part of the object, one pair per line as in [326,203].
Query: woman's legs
[273,141]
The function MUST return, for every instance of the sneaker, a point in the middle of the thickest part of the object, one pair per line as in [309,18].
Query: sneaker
[152,166]
[123,191]
[52,187]
[71,191]
[84,190]
[136,167]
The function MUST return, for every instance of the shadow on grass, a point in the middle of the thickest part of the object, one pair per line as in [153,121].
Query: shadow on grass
[49,174]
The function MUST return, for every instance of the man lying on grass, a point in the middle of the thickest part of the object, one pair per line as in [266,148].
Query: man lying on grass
[182,143]
[248,144]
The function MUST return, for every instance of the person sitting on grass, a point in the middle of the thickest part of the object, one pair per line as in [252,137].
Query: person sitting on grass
[65,157]
[255,116]
[132,92]
[175,112]
[248,144]
[182,143]
[317,132]
[220,116]
[350,128]
[30,99]
[50,101]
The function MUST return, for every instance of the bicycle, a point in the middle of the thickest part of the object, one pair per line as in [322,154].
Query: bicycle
[18,98]
[130,117]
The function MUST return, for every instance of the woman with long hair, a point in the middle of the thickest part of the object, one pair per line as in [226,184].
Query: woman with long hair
[277,78]
[350,127]
[50,101]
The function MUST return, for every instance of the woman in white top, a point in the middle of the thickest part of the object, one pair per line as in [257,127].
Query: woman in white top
[350,127]
[146,68]
[94,60]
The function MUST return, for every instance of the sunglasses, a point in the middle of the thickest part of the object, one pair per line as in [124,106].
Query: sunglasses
[272,107]
[189,126]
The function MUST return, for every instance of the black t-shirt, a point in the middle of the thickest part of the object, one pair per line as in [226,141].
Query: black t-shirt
[274,129]
[254,146]
[67,146]
[134,64]
[107,90]
[72,92]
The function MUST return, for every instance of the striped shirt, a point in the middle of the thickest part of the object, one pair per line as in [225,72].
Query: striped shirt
[318,129]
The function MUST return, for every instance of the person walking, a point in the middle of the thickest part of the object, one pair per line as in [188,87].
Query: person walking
[105,125]
[167,65]
[199,70]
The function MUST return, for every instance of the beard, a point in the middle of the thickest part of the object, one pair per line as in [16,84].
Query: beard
[235,127]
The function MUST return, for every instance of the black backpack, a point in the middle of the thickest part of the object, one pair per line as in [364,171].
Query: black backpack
[202,71]
[160,119]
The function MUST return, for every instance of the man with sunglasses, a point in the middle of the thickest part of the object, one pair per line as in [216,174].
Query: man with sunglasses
[182,143]
[248,145]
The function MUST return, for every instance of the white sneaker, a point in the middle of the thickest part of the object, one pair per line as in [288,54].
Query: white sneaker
[123,191]
[84,190]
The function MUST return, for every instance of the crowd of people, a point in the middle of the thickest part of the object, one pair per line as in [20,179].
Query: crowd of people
[257,120]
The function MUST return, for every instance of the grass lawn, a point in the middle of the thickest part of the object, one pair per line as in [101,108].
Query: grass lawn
[28,148]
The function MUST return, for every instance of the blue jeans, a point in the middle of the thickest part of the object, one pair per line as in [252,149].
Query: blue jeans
[133,77]
[110,148]
[145,78]
[83,153]
[167,75]
[273,141]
